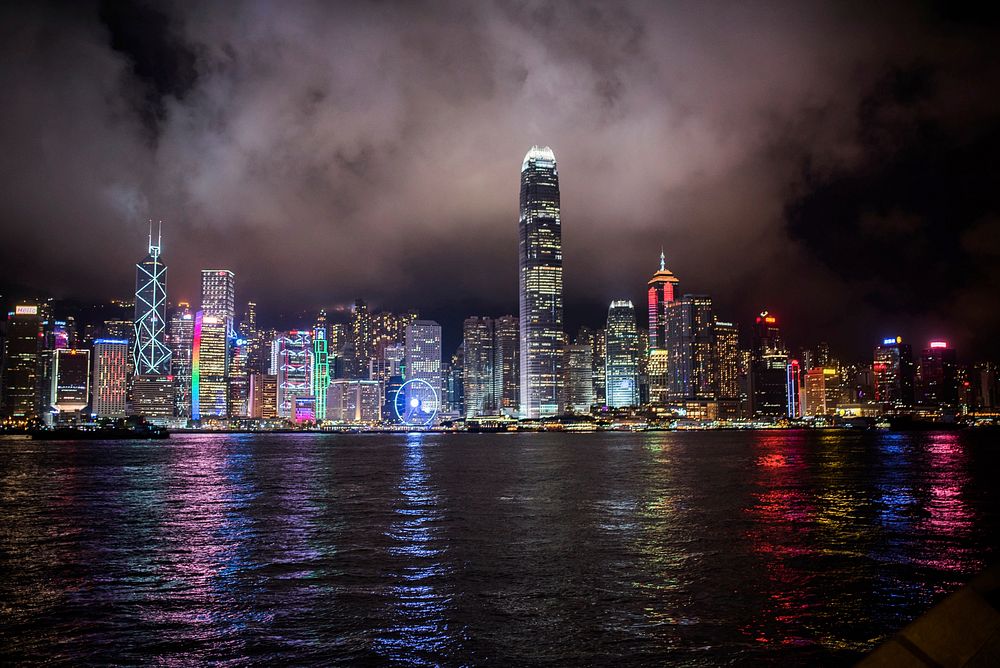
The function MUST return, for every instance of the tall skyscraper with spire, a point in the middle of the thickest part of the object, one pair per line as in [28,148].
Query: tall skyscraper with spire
[540,285]
[150,354]
[661,292]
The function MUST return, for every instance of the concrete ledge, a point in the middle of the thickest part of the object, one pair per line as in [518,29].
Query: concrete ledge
[961,631]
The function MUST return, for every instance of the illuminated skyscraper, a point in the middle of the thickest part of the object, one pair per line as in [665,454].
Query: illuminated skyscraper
[150,354]
[218,297]
[893,372]
[768,369]
[477,373]
[320,371]
[21,377]
[263,396]
[294,370]
[180,340]
[600,367]
[238,379]
[689,331]
[937,376]
[578,381]
[661,293]
[725,360]
[361,345]
[821,391]
[154,396]
[209,387]
[110,377]
[793,379]
[540,285]
[423,355]
[506,365]
[70,390]
[623,355]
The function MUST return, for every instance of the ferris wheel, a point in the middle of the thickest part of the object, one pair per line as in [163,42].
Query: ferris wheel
[416,403]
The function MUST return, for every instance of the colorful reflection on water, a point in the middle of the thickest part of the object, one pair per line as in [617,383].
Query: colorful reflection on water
[683,548]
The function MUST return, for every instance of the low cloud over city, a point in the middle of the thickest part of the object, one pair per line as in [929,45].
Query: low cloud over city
[835,166]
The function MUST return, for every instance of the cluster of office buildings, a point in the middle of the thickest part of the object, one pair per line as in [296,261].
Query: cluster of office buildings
[206,365]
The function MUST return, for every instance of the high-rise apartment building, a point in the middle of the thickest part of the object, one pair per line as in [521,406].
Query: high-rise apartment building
[540,285]
[110,377]
[150,354]
[623,349]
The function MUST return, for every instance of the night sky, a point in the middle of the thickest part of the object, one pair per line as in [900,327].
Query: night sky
[836,163]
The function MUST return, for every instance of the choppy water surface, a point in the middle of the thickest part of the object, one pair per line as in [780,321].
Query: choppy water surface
[671,548]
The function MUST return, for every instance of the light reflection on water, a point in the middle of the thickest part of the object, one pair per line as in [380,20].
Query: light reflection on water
[687,549]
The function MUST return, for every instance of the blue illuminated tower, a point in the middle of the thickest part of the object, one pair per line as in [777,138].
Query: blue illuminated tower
[150,354]
[540,285]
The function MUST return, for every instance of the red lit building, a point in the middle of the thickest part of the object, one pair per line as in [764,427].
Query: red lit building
[661,292]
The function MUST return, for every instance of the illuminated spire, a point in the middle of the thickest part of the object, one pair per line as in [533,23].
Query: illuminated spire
[663,260]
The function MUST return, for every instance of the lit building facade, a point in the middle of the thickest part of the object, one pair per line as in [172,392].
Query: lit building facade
[726,359]
[180,340]
[154,397]
[237,378]
[658,373]
[355,402]
[506,365]
[660,293]
[69,393]
[21,374]
[150,354]
[768,369]
[320,372]
[294,369]
[209,360]
[423,356]
[110,378]
[689,332]
[478,374]
[821,391]
[937,376]
[622,365]
[578,378]
[540,285]
[218,297]
[263,396]
[793,382]
[893,373]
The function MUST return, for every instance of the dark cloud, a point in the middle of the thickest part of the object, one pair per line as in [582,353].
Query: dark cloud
[833,162]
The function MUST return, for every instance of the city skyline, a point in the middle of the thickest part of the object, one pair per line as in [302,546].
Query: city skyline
[807,192]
